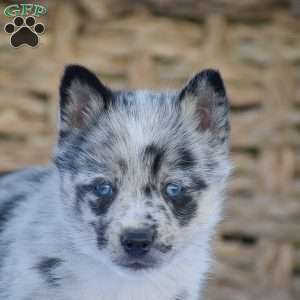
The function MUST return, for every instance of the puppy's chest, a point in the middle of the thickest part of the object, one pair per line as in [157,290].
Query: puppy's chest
[105,286]
[115,291]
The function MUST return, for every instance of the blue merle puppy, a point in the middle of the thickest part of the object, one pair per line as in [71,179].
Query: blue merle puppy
[127,208]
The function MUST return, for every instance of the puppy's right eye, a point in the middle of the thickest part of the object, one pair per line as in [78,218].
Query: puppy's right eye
[103,190]
[173,190]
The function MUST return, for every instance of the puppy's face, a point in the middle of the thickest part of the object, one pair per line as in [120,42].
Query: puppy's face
[142,172]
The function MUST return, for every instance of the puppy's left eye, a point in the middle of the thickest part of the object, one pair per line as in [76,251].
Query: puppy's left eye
[103,190]
[173,190]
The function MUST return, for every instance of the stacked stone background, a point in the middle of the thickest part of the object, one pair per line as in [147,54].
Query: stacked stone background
[161,43]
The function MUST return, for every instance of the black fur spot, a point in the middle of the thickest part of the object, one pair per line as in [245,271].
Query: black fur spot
[6,210]
[101,234]
[46,268]
[215,80]
[147,190]
[2,174]
[149,217]
[184,209]
[210,77]
[125,98]
[100,206]
[155,155]
[186,159]
[198,184]
[182,296]
[164,248]
[123,166]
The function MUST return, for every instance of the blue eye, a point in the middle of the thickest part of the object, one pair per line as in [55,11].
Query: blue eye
[103,190]
[173,190]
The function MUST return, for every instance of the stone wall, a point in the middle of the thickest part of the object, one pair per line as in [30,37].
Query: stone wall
[161,43]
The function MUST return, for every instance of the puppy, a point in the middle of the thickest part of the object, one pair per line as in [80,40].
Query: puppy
[129,203]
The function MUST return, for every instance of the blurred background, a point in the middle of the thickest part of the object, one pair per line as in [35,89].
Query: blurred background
[159,44]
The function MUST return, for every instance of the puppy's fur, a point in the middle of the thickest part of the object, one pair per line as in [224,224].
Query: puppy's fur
[60,240]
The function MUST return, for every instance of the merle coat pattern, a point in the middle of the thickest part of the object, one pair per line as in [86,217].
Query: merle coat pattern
[128,205]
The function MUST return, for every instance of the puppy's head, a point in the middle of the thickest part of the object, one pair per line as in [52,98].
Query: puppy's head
[142,173]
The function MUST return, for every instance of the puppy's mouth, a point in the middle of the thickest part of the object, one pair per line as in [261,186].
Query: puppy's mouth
[137,264]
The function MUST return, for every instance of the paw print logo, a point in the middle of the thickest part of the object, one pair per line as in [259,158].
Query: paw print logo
[24,31]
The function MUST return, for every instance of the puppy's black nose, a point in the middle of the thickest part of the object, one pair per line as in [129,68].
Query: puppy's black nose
[137,243]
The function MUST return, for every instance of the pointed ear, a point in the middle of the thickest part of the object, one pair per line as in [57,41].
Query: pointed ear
[204,100]
[82,97]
